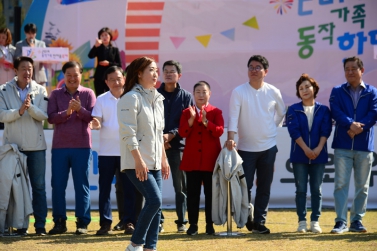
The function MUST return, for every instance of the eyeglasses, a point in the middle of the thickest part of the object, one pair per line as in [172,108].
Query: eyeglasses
[117,80]
[170,72]
[351,70]
[256,68]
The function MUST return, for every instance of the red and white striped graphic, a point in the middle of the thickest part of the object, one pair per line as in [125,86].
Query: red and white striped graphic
[143,24]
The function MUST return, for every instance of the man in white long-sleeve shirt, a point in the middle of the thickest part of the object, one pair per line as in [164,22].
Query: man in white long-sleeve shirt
[256,109]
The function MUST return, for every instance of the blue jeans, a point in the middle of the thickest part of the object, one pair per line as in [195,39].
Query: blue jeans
[107,166]
[146,230]
[62,159]
[261,163]
[179,183]
[36,163]
[301,173]
[361,163]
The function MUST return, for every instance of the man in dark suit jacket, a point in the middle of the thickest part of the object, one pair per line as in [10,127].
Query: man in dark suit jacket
[30,41]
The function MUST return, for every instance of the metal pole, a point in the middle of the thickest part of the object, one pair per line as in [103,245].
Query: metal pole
[229,216]
[229,211]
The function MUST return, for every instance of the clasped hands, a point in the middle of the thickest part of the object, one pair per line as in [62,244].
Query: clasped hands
[74,105]
[25,105]
[355,129]
[312,153]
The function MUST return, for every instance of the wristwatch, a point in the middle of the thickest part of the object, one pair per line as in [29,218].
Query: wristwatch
[205,122]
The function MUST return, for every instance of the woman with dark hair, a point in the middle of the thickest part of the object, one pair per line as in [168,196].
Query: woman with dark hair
[202,126]
[143,158]
[7,51]
[309,125]
[107,55]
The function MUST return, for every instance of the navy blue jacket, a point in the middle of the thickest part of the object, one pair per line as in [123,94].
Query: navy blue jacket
[297,123]
[173,107]
[344,113]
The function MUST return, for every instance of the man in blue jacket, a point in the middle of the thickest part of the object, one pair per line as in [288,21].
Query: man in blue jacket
[176,100]
[354,109]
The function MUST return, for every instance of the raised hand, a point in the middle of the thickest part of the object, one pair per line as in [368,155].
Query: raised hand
[25,105]
[76,104]
[192,115]
[70,109]
[204,114]
[98,42]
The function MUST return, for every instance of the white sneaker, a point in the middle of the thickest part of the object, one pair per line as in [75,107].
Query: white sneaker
[302,228]
[132,248]
[315,228]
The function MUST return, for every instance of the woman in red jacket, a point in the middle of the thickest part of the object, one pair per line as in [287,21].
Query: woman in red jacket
[201,125]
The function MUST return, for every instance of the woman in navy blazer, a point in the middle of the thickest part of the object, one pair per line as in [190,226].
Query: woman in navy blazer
[201,125]
[309,125]
[107,56]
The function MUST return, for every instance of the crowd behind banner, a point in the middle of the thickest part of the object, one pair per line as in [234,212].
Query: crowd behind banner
[141,129]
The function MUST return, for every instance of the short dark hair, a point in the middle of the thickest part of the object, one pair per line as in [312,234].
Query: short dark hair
[112,69]
[200,83]
[30,28]
[305,77]
[72,64]
[259,59]
[7,32]
[17,61]
[177,65]
[358,61]
[107,30]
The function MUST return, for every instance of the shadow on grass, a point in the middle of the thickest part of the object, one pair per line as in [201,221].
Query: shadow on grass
[351,237]
[70,238]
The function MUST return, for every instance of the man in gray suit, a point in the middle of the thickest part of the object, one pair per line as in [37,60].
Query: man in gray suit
[30,41]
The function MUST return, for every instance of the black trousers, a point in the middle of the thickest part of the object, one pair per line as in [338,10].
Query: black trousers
[194,185]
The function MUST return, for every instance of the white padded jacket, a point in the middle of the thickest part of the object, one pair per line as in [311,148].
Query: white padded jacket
[229,168]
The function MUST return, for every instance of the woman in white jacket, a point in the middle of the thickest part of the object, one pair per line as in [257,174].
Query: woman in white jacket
[143,158]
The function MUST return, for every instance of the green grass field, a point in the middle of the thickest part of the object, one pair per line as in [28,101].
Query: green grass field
[282,223]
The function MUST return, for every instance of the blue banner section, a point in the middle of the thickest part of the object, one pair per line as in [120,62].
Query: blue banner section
[36,15]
